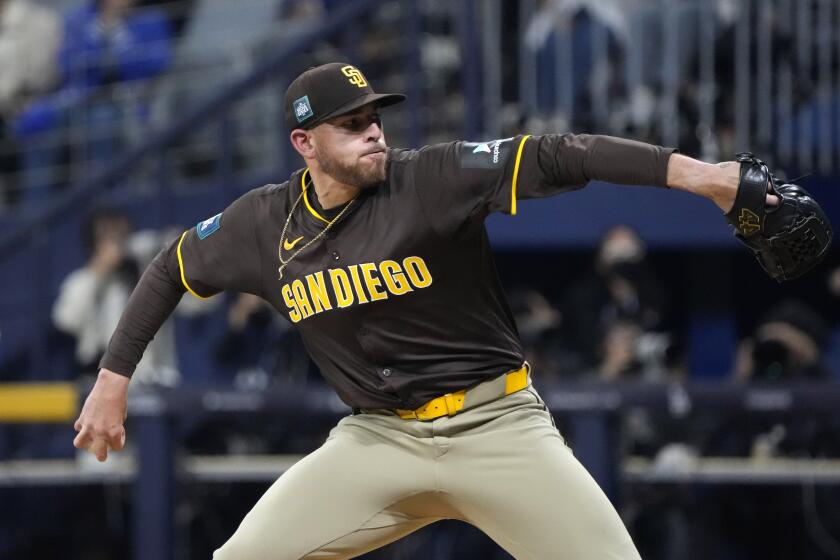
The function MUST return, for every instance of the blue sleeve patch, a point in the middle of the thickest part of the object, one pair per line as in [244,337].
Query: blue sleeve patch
[209,226]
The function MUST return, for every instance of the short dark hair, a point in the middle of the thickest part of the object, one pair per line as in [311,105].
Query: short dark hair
[93,221]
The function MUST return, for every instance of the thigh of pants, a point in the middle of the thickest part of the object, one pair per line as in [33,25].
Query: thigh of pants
[366,486]
[517,481]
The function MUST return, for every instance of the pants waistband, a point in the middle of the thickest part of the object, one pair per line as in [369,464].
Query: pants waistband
[488,391]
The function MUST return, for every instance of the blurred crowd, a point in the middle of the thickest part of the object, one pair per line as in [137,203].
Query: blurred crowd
[668,72]
[52,65]
[78,86]
[75,87]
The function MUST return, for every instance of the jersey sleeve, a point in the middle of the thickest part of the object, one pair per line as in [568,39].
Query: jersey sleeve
[459,180]
[221,252]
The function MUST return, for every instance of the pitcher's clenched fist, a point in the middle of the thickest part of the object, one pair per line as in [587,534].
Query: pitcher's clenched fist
[100,424]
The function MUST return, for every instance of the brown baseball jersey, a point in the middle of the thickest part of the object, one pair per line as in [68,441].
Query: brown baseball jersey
[395,294]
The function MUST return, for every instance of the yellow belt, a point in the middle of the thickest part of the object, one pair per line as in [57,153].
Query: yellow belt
[451,403]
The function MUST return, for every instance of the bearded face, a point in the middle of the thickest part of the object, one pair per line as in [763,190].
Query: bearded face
[351,148]
[362,171]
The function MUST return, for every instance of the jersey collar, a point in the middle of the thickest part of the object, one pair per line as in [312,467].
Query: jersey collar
[315,217]
[309,206]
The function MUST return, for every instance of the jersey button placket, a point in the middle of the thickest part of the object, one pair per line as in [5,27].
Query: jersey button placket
[335,256]
[386,372]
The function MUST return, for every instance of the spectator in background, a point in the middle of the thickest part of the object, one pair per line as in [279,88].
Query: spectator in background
[112,41]
[753,520]
[106,43]
[92,298]
[787,345]
[756,521]
[29,38]
[613,315]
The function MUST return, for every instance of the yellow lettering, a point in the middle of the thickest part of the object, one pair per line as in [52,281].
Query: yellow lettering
[394,278]
[318,291]
[300,296]
[357,283]
[355,77]
[417,272]
[341,287]
[294,312]
[374,285]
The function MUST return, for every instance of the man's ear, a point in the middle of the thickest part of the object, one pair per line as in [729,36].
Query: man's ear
[302,143]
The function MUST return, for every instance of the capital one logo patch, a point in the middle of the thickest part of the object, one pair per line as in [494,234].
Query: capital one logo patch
[355,76]
[485,155]
[302,108]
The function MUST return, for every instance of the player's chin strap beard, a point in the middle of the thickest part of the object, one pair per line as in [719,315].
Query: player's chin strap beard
[283,237]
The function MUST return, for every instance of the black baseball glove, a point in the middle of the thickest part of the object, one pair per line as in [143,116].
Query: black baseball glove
[789,239]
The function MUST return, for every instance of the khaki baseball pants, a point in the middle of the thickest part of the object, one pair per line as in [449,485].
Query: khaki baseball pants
[501,466]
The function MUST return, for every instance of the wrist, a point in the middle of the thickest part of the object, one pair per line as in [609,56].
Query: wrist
[112,379]
[717,182]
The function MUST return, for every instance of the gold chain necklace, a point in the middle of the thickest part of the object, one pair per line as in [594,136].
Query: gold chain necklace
[283,238]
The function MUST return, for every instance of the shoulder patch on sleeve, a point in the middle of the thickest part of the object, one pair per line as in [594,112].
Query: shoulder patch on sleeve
[485,155]
[209,226]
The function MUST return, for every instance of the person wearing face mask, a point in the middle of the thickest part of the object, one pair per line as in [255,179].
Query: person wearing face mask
[613,306]
[787,345]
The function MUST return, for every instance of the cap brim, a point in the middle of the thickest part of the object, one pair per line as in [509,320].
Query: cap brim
[381,99]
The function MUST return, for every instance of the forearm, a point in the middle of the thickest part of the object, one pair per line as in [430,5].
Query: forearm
[151,303]
[717,182]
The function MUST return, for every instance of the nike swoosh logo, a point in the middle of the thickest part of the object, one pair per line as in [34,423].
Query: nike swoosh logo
[289,245]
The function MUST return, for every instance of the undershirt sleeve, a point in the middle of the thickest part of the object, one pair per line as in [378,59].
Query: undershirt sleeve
[152,301]
[556,163]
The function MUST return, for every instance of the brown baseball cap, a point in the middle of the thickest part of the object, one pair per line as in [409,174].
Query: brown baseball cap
[329,90]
